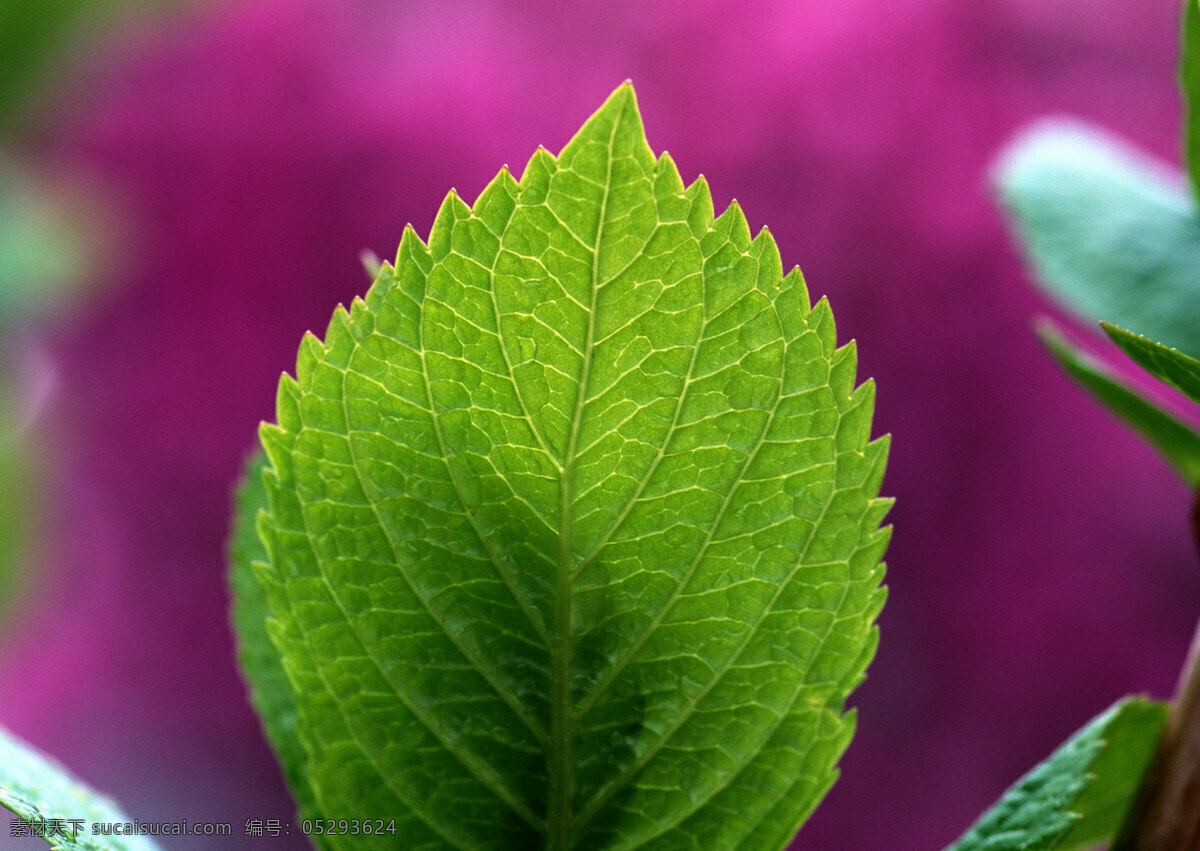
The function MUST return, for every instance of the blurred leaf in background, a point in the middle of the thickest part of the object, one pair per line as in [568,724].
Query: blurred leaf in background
[1113,234]
[48,237]
[46,797]
[14,514]
[31,33]
[1109,232]
[38,40]
[44,245]
[1178,442]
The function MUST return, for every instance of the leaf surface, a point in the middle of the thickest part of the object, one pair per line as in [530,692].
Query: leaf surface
[573,526]
[1110,233]
[1178,442]
[1079,796]
[38,790]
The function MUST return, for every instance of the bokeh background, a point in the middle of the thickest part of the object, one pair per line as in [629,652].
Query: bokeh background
[210,173]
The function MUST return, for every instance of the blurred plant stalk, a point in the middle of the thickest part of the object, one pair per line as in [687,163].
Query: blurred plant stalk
[1166,816]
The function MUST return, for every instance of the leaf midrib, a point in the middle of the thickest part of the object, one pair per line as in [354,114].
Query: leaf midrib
[560,769]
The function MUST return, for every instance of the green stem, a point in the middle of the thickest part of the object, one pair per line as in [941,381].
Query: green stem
[1166,816]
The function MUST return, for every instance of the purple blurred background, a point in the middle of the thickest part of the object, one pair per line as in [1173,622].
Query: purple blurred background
[1041,565]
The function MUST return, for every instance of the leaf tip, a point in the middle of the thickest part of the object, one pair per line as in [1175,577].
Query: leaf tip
[1113,331]
[410,243]
[312,347]
[738,228]
[623,94]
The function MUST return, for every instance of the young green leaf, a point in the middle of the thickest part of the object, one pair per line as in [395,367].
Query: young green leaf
[1179,443]
[1079,796]
[1170,365]
[1110,233]
[573,526]
[56,806]
[1189,78]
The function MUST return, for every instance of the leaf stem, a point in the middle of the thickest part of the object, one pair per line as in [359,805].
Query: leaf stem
[1166,816]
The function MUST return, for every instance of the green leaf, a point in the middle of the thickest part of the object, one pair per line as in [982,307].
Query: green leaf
[1189,78]
[38,790]
[1163,362]
[30,34]
[38,40]
[573,525]
[17,510]
[44,247]
[270,692]
[1178,443]
[1080,794]
[1109,233]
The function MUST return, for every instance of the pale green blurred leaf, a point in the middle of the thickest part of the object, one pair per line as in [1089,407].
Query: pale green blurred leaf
[35,788]
[573,523]
[1109,233]
[44,248]
[1079,796]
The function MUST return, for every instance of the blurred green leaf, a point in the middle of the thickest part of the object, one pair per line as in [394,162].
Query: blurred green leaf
[37,789]
[1080,794]
[1109,233]
[16,510]
[30,31]
[1177,369]
[38,38]
[44,247]
[1189,78]
[1179,443]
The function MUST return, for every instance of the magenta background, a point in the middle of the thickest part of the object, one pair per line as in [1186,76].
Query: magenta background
[1040,567]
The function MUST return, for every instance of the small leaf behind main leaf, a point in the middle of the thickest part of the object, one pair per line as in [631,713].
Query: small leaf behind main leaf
[270,692]
[1079,796]
[1178,443]
[43,793]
